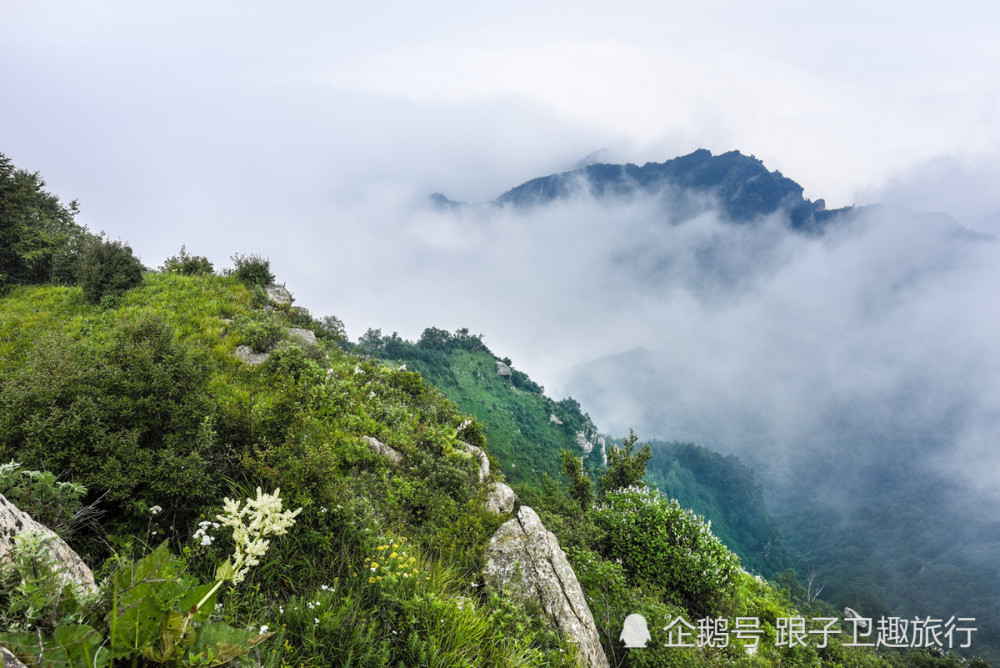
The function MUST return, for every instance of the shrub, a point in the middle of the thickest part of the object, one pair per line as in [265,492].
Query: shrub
[291,360]
[260,330]
[53,504]
[625,466]
[189,265]
[252,270]
[108,268]
[123,415]
[579,483]
[669,547]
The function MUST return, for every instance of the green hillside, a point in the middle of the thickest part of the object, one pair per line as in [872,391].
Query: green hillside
[723,490]
[526,441]
[526,429]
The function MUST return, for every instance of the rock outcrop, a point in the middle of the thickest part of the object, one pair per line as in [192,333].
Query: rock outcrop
[305,336]
[503,370]
[9,660]
[278,294]
[525,560]
[500,499]
[381,448]
[71,568]
[246,354]
[484,461]
[588,438]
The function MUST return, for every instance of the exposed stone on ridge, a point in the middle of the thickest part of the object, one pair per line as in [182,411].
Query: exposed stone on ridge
[503,369]
[381,448]
[525,560]
[69,565]
[246,354]
[305,336]
[484,461]
[554,420]
[500,499]
[278,294]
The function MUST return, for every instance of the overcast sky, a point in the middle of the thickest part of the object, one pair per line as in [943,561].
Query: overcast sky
[223,105]
[307,131]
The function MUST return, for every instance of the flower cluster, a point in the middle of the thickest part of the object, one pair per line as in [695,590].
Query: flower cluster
[257,518]
[392,562]
[202,535]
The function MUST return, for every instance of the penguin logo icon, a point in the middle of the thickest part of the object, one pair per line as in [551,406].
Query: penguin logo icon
[635,633]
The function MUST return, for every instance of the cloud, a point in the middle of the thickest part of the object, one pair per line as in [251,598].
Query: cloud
[875,341]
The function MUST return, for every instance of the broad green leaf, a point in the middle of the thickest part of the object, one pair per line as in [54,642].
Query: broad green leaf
[138,625]
[82,645]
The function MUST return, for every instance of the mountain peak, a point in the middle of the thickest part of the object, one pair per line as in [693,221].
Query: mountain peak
[740,187]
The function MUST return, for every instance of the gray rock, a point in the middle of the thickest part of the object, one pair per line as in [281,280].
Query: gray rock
[484,461]
[9,660]
[70,566]
[278,294]
[554,420]
[305,336]
[381,448]
[500,499]
[503,369]
[525,560]
[246,354]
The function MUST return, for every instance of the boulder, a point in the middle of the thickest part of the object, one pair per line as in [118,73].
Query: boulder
[500,499]
[246,354]
[9,660]
[70,566]
[278,294]
[524,560]
[381,448]
[484,461]
[305,336]
[555,420]
[503,369]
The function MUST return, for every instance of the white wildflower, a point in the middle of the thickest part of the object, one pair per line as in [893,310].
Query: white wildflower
[155,510]
[257,518]
[264,628]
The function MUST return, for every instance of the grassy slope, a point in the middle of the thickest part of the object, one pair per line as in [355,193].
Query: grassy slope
[523,439]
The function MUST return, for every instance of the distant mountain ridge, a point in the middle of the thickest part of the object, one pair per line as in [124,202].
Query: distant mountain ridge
[742,187]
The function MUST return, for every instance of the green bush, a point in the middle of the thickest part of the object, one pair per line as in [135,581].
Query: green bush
[37,493]
[252,270]
[123,415]
[626,467]
[189,265]
[260,330]
[108,269]
[668,546]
